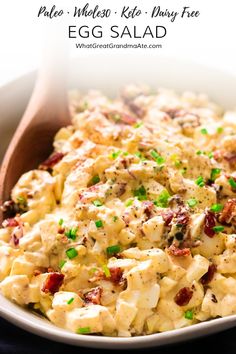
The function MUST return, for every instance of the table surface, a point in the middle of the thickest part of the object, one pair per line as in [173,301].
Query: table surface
[14,340]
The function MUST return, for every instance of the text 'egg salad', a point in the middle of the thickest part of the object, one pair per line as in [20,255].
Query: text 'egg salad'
[129,227]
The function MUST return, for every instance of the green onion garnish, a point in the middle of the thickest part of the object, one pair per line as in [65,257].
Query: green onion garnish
[71,253]
[184,170]
[21,200]
[216,208]
[215,173]
[115,218]
[159,159]
[199,152]
[83,330]
[138,125]
[62,263]
[60,222]
[97,203]
[188,314]
[200,181]
[220,130]
[95,180]
[129,202]
[163,199]
[106,271]
[99,223]
[204,131]
[232,183]
[218,228]
[70,301]
[140,156]
[140,193]
[210,155]
[115,154]
[72,233]
[192,202]
[113,249]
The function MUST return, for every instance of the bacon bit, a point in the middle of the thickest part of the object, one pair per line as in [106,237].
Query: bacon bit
[218,155]
[37,272]
[116,275]
[208,276]
[182,217]
[121,117]
[127,119]
[167,217]
[183,297]
[178,252]
[51,161]
[229,212]
[17,234]
[126,218]
[121,188]
[14,240]
[93,296]
[148,209]
[138,111]
[61,230]
[230,157]
[11,222]
[52,283]
[209,223]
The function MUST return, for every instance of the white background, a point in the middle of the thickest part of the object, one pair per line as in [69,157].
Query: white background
[209,39]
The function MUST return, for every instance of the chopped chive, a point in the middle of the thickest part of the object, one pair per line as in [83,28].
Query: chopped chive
[188,314]
[106,271]
[62,263]
[115,218]
[218,228]
[163,199]
[21,200]
[83,330]
[140,193]
[95,180]
[140,156]
[192,202]
[129,202]
[204,131]
[115,154]
[215,173]
[70,301]
[159,159]
[113,249]
[216,208]
[60,222]
[178,163]
[138,125]
[72,233]
[232,183]
[97,203]
[71,253]
[200,181]
[199,152]
[210,155]
[220,130]
[99,223]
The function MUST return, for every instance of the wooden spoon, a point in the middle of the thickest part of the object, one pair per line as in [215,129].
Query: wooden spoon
[46,113]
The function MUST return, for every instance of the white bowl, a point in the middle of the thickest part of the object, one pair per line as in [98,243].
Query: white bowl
[109,74]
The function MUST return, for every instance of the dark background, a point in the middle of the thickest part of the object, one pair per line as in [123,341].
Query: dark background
[13,340]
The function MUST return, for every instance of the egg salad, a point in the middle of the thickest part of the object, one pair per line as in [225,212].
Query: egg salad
[129,227]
